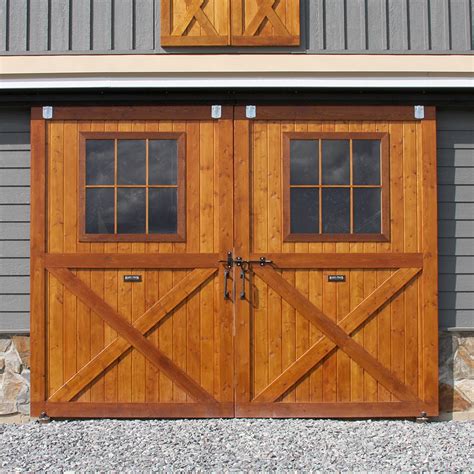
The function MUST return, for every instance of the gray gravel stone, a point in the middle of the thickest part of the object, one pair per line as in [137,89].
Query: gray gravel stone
[237,445]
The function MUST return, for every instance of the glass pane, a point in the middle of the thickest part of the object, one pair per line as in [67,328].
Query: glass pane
[163,211]
[336,211]
[99,211]
[304,162]
[366,161]
[99,162]
[163,165]
[131,162]
[336,161]
[304,211]
[367,211]
[131,210]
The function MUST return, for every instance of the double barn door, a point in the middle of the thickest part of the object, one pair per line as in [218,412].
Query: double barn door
[276,266]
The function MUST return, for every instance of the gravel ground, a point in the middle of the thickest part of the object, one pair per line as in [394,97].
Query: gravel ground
[237,445]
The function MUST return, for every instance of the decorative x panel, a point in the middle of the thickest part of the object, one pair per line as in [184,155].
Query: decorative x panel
[335,335]
[194,22]
[131,335]
[230,22]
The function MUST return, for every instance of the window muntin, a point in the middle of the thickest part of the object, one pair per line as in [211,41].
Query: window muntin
[336,186]
[132,186]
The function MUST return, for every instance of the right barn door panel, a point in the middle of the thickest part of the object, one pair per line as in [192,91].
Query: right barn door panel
[340,319]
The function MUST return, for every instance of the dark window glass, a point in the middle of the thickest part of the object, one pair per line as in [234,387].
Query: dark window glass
[99,162]
[99,211]
[131,210]
[163,165]
[336,161]
[336,211]
[131,162]
[366,161]
[304,210]
[304,162]
[162,211]
[367,211]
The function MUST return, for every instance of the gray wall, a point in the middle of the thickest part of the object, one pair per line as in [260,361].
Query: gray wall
[456,218]
[14,220]
[38,26]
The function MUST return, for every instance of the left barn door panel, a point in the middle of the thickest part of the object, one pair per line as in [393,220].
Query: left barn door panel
[127,314]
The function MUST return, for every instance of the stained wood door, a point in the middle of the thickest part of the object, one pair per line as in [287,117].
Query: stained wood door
[339,325]
[104,346]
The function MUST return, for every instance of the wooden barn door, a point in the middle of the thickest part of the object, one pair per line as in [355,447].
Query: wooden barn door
[128,321]
[335,209]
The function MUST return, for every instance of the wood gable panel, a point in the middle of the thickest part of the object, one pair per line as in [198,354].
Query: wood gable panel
[195,22]
[230,22]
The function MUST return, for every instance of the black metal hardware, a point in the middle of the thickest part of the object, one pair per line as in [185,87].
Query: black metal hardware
[244,265]
[226,278]
[242,277]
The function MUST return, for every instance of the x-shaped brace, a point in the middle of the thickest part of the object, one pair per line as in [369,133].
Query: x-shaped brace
[335,335]
[131,335]
[194,11]
[266,11]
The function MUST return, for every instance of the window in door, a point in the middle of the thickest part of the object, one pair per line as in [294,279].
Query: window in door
[336,187]
[132,187]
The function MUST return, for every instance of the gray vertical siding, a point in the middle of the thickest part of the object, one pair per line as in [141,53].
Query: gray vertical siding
[456,218]
[372,26]
[14,220]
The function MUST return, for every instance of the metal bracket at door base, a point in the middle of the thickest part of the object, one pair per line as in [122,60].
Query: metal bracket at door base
[423,418]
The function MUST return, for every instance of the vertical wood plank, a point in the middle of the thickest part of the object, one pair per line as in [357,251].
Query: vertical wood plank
[37,271]
[70,237]
[242,238]
[429,279]
[55,244]
[225,241]
[440,25]
[356,25]
[274,180]
[418,25]
[259,215]
[376,25]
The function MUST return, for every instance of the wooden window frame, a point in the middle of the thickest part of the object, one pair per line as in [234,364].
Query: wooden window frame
[384,235]
[180,235]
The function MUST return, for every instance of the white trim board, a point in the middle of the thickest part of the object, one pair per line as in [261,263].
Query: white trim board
[241,81]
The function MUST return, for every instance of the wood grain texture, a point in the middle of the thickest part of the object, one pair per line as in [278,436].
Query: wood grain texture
[195,23]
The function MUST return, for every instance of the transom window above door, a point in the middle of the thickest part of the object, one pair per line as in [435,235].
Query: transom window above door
[132,186]
[336,187]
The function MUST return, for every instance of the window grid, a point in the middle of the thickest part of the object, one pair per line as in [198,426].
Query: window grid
[179,186]
[351,137]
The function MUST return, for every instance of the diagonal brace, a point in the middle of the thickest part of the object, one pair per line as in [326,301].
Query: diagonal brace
[335,333]
[266,11]
[194,10]
[350,323]
[131,335]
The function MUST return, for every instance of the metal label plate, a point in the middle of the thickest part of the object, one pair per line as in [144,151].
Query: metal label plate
[132,278]
[337,278]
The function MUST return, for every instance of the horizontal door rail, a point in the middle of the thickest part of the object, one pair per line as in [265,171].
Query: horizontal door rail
[344,260]
[334,112]
[132,260]
[139,112]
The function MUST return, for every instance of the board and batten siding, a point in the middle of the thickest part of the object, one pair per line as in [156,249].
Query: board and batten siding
[14,220]
[128,26]
[456,219]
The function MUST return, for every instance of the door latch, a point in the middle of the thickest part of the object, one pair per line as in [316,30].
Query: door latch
[244,265]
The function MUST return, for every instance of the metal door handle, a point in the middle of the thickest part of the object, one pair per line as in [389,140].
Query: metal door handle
[226,279]
[242,277]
